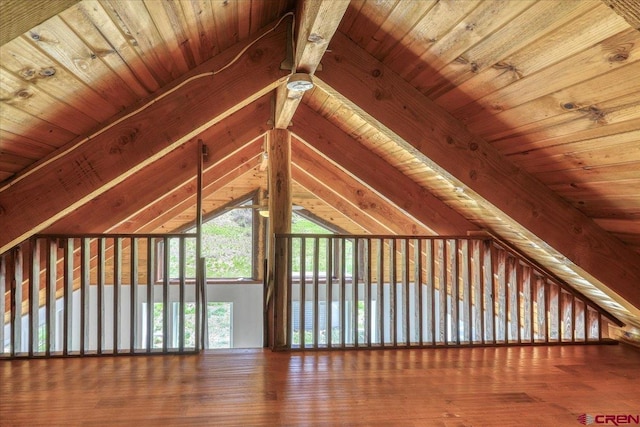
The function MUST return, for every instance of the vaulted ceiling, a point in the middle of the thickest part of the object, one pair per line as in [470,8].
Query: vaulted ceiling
[518,118]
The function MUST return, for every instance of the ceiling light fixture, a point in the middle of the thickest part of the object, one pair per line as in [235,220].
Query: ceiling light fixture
[300,82]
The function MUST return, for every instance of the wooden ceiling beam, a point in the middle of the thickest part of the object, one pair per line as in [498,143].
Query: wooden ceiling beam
[318,21]
[238,168]
[349,196]
[424,129]
[33,201]
[19,16]
[378,174]
[116,210]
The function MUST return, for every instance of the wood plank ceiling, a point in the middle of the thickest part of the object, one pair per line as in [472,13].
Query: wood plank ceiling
[516,117]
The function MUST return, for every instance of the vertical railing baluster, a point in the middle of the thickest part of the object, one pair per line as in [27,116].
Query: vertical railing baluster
[34,297]
[150,283]
[182,267]
[508,293]
[444,313]
[406,324]
[432,287]
[547,311]
[393,291]
[368,296]
[380,291]
[354,291]
[477,291]
[573,318]
[85,297]
[100,300]
[51,285]
[68,297]
[489,293]
[303,295]
[519,287]
[343,290]
[4,288]
[586,319]
[316,291]
[329,310]
[418,278]
[133,288]
[16,302]
[165,294]
[117,288]
[468,290]
[455,274]
[289,331]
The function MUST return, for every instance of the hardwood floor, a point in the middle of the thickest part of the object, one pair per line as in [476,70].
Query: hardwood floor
[527,386]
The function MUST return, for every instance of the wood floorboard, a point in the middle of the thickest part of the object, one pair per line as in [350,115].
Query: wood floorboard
[527,386]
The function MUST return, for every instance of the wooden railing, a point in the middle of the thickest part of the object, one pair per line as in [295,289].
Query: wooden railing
[396,291]
[101,295]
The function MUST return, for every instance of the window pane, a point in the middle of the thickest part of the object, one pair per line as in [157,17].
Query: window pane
[227,244]
[219,321]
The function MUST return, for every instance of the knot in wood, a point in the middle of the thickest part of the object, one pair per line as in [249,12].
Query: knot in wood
[23,93]
[376,73]
[450,140]
[28,73]
[619,57]
[47,72]
[315,38]
[473,174]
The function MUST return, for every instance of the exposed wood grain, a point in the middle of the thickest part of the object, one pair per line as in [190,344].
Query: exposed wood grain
[379,175]
[400,22]
[318,21]
[348,196]
[171,31]
[551,50]
[29,98]
[233,177]
[228,185]
[19,16]
[63,45]
[483,386]
[443,16]
[628,9]
[318,209]
[445,145]
[137,26]
[616,149]
[571,132]
[280,184]
[540,18]
[594,83]
[112,211]
[475,27]
[108,158]
[24,59]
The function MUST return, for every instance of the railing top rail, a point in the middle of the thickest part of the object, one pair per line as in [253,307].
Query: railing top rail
[115,235]
[380,236]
